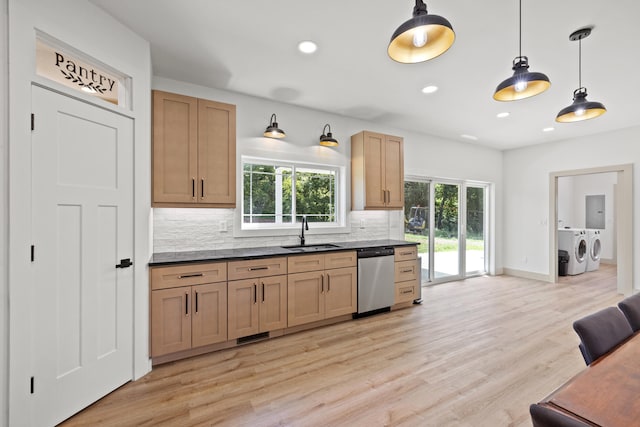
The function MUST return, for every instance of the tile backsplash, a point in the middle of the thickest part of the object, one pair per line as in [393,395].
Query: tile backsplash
[185,229]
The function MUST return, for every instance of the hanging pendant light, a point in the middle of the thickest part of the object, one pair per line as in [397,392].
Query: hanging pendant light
[421,38]
[580,109]
[326,138]
[523,84]
[272,130]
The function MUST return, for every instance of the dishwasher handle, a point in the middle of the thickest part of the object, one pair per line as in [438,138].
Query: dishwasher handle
[375,252]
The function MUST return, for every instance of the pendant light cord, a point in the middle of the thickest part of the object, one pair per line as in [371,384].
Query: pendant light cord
[580,62]
[520,35]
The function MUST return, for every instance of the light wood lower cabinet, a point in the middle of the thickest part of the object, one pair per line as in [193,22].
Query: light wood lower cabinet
[406,274]
[187,317]
[322,293]
[257,305]
[188,306]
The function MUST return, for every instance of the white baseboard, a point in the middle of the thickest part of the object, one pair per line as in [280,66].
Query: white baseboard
[527,274]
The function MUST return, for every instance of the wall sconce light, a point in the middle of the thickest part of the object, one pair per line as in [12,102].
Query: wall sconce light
[272,130]
[326,138]
[522,84]
[580,109]
[421,38]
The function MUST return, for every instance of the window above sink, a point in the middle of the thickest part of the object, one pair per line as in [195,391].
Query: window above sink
[276,193]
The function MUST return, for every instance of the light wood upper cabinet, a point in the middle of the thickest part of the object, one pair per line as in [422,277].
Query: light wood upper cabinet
[194,152]
[377,171]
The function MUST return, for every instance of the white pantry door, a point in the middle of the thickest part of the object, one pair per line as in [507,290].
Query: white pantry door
[82,226]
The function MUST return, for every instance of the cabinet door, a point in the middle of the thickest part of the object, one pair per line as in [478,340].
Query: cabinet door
[175,148]
[216,153]
[341,291]
[273,303]
[242,308]
[209,319]
[374,151]
[394,171]
[170,320]
[306,298]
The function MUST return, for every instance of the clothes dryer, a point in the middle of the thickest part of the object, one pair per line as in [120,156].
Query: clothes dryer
[595,248]
[574,241]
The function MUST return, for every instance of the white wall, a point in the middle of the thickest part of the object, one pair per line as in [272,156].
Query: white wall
[192,229]
[526,191]
[4,166]
[88,29]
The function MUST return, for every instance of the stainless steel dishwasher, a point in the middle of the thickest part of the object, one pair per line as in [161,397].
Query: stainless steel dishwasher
[376,290]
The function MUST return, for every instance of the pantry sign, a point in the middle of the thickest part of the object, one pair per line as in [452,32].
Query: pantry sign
[65,68]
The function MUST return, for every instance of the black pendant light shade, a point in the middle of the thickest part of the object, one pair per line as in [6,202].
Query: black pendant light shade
[326,138]
[272,130]
[421,38]
[580,109]
[523,84]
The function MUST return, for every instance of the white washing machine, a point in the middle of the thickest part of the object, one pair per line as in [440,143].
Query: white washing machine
[574,241]
[595,248]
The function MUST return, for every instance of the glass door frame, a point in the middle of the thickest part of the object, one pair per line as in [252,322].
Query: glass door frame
[462,227]
[485,224]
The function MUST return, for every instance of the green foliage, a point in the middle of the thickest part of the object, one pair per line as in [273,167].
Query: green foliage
[314,193]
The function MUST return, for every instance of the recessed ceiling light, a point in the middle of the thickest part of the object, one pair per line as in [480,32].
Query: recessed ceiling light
[503,115]
[471,137]
[307,46]
[549,129]
[429,89]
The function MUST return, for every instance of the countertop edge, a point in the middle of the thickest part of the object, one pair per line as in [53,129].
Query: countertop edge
[193,257]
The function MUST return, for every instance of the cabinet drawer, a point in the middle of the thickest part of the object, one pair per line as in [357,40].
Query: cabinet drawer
[257,268]
[302,263]
[340,259]
[186,275]
[404,253]
[406,270]
[406,291]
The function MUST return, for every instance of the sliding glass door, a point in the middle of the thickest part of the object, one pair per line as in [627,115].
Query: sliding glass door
[446,231]
[416,219]
[449,221]
[475,253]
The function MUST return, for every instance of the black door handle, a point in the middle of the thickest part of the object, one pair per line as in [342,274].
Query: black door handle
[124,263]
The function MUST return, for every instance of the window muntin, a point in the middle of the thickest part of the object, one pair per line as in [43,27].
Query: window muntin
[276,194]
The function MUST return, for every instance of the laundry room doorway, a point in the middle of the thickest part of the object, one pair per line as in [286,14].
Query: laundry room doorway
[586,198]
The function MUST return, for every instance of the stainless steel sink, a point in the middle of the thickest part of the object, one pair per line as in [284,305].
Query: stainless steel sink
[310,248]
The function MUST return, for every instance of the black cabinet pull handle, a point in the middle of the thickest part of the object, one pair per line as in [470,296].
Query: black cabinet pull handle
[328,283]
[193,188]
[196,302]
[186,276]
[263,292]
[186,304]
[258,268]
[255,293]
[124,263]
[202,188]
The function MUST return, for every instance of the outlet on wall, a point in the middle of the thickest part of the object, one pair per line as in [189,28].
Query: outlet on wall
[222,226]
[362,223]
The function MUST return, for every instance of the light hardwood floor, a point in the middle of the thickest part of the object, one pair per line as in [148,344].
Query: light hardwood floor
[476,353]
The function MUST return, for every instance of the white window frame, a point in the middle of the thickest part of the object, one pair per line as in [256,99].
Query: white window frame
[281,227]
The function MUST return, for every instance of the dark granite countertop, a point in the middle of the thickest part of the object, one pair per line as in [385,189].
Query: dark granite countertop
[168,258]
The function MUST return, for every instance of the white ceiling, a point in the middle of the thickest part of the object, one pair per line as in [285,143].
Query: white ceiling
[250,47]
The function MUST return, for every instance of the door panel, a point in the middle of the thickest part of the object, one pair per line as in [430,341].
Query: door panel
[446,261]
[82,225]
